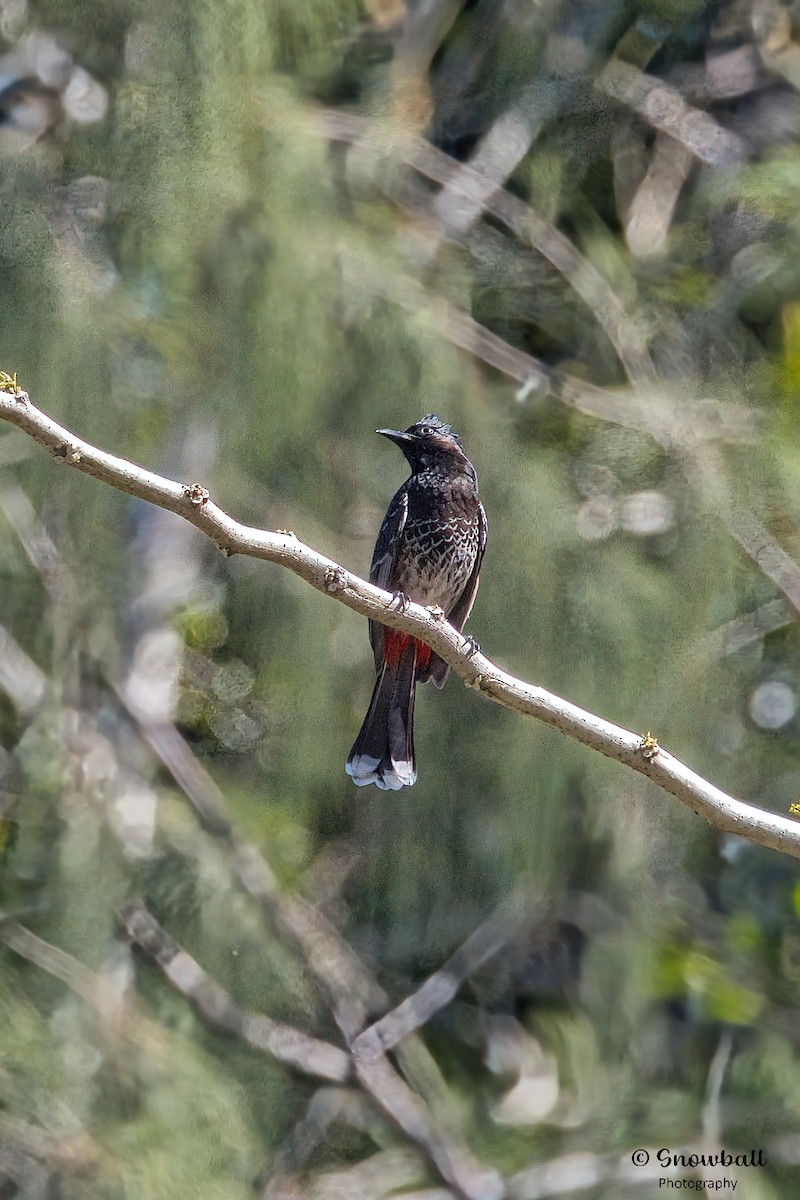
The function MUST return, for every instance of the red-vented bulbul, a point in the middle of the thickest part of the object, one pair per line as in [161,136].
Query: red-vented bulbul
[429,549]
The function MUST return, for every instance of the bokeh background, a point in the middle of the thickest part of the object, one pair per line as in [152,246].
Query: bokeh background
[225,255]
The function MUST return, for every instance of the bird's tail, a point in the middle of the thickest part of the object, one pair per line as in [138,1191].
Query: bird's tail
[383,752]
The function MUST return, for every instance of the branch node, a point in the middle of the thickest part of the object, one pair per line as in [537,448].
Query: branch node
[335,580]
[287,533]
[648,747]
[9,385]
[196,494]
[64,453]
[436,612]
[477,683]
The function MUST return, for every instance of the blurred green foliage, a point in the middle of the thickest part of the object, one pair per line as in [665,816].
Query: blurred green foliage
[216,322]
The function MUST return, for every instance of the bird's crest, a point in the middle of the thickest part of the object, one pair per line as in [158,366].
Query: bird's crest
[431,424]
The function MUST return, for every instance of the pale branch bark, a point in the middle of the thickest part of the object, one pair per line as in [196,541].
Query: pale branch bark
[664,108]
[285,1044]
[740,632]
[712,1114]
[192,502]
[21,679]
[726,75]
[346,985]
[455,1163]
[349,989]
[496,157]
[772,25]
[424,27]
[40,550]
[649,217]
[50,959]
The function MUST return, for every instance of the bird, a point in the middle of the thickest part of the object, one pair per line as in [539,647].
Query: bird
[429,549]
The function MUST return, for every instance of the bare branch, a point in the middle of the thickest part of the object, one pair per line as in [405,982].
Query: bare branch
[650,214]
[328,1106]
[351,991]
[621,327]
[347,986]
[20,678]
[192,502]
[663,107]
[662,412]
[372,1178]
[581,1172]
[454,1162]
[439,988]
[707,470]
[284,1043]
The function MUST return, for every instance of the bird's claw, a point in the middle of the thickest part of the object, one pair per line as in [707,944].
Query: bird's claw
[471,646]
[400,602]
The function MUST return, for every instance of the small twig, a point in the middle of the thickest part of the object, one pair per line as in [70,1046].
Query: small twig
[476,670]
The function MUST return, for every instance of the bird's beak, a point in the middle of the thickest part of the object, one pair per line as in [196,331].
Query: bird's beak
[398,436]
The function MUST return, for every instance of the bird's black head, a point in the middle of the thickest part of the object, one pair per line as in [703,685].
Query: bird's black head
[430,444]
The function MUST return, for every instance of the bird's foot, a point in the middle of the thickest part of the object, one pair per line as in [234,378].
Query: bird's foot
[401,602]
[471,647]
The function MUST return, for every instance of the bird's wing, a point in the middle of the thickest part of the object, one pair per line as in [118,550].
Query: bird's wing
[383,571]
[458,614]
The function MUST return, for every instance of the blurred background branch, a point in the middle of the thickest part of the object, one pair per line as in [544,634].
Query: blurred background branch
[236,240]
